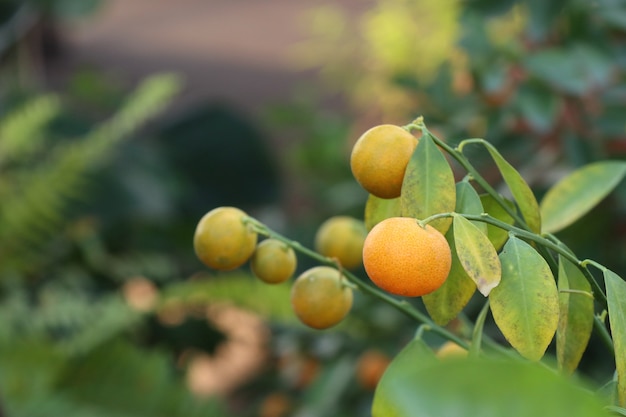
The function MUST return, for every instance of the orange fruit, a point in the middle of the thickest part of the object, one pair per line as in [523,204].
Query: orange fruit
[222,240]
[342,237]
[379,159]
[451,350]
[370,367]
[273,261]
[404,258]
[320,297]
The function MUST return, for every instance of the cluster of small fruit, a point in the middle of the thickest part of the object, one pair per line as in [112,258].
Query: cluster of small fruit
[226,238]
[400,255]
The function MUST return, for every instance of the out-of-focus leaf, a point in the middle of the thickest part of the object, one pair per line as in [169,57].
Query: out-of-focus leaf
[576,194]
[395,394]
[538,107]
[428,186]
[542,15]
[239,289]
[574,70]
[525,305]
[482,387]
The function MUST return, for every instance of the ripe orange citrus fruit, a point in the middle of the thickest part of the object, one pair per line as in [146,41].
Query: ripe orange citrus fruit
[370,367]
[320,297]
[379,159]
[404,258]
[342,237]
[451,350]
[222,241]
[273,261]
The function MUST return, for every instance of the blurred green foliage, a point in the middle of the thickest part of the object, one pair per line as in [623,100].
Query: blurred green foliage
[84,213]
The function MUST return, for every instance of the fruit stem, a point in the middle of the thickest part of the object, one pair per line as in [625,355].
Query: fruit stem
[401,305]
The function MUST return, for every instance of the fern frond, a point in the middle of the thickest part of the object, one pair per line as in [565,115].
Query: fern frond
[72,322]
[22,131]
[32,214]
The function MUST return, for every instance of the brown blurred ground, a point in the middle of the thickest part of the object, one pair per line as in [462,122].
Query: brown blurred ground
[236,51]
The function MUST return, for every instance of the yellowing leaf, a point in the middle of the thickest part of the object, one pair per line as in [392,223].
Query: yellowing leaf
[476,254]
[575,316]
[525,306]
[428,186]
[378,209]
[576,194]
[522,193]
[448,301]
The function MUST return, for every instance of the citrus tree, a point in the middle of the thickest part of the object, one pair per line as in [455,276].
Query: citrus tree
[431,233]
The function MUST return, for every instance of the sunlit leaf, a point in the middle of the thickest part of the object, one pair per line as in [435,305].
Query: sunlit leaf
[525,306]
[468,202]
[484,387]
[616,299]
[428,186]
[378,209]
[575,316]
[522,193]
[477,255]
[497,236]
[445,303]
[576,194]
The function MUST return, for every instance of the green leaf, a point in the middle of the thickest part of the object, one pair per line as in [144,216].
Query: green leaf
[394,395]
[522,193]
[378,209]
[575,316]
[616,299]
[576,194]
[445,303]
[525,306]
[428,186]
[484,387]
[477,255]
[468,202]
[497,236]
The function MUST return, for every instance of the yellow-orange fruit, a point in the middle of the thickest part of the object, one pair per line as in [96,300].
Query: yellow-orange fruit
[320,297]
[370,368]
[404,258]
[379,159]
[451,350]
[273,261]
[222,240]
[342,237]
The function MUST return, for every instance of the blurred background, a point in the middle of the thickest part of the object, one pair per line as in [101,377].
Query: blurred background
[122,123]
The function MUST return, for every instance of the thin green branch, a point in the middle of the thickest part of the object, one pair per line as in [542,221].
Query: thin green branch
[401,305]
[549,244]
